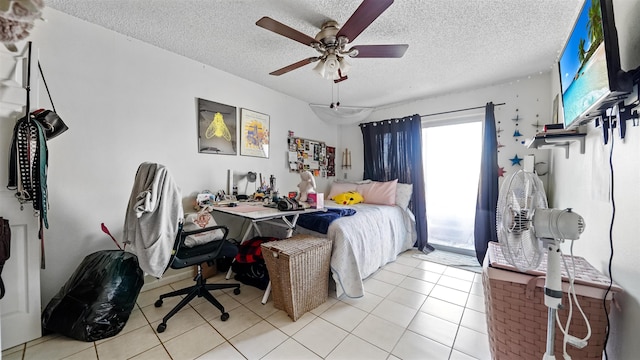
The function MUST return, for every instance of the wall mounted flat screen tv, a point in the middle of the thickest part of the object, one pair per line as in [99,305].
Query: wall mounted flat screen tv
[591,79]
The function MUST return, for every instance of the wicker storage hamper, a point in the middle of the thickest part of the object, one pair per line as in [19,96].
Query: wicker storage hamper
[299,272]
[517,316]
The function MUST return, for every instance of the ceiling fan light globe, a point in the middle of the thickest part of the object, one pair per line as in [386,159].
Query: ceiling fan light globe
[332,62]
[344,66]
[319,68]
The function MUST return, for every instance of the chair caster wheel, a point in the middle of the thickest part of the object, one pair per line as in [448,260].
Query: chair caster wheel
[158,303]
[223,317]
[236,291]
[162,327]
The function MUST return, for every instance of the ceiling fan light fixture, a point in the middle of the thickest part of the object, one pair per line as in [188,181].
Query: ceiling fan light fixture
[319,68]
[331,66]
[344,66]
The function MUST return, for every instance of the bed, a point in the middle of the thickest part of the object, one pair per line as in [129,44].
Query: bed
[370,238]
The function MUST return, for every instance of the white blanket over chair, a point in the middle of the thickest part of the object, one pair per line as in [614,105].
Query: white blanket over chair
[153,216]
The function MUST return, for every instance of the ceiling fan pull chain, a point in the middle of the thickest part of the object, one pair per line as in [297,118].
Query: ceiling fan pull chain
[332,104]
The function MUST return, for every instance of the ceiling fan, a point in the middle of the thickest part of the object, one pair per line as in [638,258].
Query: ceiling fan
[331,42]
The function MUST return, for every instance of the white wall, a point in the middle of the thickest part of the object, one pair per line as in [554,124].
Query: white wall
[583,182]
[127,102]
[529,96]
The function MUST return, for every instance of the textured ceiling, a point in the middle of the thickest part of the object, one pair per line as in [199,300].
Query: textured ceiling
[453,44]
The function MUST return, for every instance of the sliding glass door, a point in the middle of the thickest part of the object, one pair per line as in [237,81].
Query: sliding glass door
[451,156]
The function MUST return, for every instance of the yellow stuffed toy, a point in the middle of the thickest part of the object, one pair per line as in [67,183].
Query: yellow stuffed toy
[348,198]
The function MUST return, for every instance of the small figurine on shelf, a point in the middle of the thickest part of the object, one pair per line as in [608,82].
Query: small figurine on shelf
[307,185]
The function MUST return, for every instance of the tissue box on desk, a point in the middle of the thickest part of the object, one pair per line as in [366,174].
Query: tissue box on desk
[316,201]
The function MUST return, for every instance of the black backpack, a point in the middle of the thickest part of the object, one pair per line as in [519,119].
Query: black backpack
[5,248]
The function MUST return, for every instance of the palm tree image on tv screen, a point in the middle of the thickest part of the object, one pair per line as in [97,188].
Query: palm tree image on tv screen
[583,63]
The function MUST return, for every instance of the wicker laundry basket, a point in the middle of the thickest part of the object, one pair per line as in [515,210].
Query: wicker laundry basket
[299,272]
[517,316]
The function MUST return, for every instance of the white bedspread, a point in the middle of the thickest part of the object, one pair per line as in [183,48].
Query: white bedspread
[365,241]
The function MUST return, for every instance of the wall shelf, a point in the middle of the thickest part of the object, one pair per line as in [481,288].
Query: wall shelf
[560,140]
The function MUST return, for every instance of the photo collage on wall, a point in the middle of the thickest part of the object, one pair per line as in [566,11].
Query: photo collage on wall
[311,155]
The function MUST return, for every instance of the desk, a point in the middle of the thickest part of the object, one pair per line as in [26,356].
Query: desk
[258,213]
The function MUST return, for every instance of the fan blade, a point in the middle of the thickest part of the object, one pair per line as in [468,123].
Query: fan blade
[294,66]
[380,51]
[282,29]
[364,15]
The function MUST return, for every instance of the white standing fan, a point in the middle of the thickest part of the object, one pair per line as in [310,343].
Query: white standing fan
[525,226]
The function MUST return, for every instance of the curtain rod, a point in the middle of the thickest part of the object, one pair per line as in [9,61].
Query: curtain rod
[458,110]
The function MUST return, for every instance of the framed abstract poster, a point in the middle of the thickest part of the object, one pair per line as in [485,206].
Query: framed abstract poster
[217,128]
[254,133]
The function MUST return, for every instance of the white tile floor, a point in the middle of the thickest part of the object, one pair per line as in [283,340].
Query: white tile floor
[413,309]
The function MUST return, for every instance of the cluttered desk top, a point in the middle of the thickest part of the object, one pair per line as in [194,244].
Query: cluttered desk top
[256,210]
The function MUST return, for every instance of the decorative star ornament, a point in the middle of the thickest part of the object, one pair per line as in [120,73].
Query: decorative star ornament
[501,171]
[515,160]
[537,125]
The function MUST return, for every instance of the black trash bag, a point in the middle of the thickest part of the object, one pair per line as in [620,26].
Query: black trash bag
[97,300]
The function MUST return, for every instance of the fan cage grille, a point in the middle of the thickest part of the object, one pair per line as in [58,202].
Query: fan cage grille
[519,196]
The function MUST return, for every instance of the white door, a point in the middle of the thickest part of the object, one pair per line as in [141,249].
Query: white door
[20,308]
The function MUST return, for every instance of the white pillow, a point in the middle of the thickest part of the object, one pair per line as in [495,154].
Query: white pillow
[197,221]
[403,195]
[339,188]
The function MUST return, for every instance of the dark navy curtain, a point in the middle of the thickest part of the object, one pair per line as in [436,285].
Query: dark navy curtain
[393,150]
[485,222]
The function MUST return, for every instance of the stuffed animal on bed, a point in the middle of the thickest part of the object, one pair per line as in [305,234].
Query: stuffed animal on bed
[306,186]
[348,198]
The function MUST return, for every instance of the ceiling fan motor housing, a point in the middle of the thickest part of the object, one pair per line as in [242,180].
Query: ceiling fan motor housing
[327,34]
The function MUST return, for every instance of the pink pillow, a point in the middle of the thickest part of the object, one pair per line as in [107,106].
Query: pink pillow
[381,193]
[339,188]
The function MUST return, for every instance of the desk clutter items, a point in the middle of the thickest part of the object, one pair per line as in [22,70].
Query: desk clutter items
[307,185]
[289,204]
[316,201]
[299,268]
[517,315]
[249,265]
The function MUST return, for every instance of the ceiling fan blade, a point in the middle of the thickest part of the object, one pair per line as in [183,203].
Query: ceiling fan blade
[380,51]
[282,29]
[364,15]
[294,66]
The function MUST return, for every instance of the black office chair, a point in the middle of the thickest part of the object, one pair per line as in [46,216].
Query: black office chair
[183,256]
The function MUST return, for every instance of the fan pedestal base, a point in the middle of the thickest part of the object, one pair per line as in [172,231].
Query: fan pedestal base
[551,335]
[552,293]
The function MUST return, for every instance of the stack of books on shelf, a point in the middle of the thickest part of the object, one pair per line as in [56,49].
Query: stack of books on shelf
[555,130]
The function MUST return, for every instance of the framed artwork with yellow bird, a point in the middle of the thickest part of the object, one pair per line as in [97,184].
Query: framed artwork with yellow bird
[217,128]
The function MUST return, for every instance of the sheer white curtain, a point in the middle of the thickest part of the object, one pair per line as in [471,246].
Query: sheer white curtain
[451,156]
